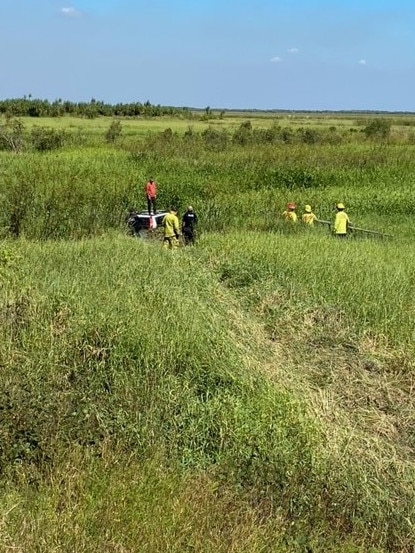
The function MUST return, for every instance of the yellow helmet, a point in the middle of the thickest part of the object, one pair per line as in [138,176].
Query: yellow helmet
[307,208]
[340,205]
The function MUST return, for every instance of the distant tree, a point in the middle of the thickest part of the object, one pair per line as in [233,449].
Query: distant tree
[207,115]
[32,107]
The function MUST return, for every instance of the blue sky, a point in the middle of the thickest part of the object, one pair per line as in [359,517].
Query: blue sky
[262,54]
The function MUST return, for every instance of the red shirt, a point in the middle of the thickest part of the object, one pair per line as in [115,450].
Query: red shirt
[151,189]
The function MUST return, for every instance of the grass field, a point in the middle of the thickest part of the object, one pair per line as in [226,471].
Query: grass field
[253,393]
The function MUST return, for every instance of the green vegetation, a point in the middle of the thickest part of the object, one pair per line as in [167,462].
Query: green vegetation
[253,393]
[36,107]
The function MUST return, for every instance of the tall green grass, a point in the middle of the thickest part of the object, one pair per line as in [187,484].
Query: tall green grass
[116,349]
[370,282]
[87,191]
[253,393]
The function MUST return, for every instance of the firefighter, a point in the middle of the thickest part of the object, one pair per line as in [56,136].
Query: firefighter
[341,222]
[289,214]
[171,230]
[308,216]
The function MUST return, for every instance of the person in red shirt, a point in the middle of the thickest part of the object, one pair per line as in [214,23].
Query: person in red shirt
[151,193]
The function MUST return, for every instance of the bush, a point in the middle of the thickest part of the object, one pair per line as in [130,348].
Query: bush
[12,135]
[114,131]
[44,139]
[378,128]
[243,134]
[214,139]
[308,136]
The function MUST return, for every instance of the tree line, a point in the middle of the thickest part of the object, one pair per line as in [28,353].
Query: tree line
[33,107]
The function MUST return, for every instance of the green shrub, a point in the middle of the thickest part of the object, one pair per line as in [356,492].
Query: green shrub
[114,131]
[378,129]
[44,139]
[12,135]
[214,139]
[243,135]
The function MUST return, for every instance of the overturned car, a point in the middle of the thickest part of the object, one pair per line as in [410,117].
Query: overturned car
[141,224]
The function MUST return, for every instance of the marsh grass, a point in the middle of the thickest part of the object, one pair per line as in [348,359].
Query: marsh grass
[128,356]
[251,394]
[123,506]
[86,191]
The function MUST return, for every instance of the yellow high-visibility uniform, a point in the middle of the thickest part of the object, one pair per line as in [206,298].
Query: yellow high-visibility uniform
[171,231]
[309,218]
[341,223]
[290,216]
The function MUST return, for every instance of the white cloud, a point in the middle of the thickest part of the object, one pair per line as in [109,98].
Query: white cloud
[70,12]
[275,59]
[362,62]
[293,50]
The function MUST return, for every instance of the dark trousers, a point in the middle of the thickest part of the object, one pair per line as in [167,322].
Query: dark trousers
[151,205]
[188,235]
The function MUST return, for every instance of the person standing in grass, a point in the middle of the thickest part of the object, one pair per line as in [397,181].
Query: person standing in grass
[151,195]
[289,214]
[308,217]
[189,221]
[171,230]
[341,222]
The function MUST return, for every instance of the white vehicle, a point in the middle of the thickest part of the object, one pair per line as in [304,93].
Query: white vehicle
[140,224]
